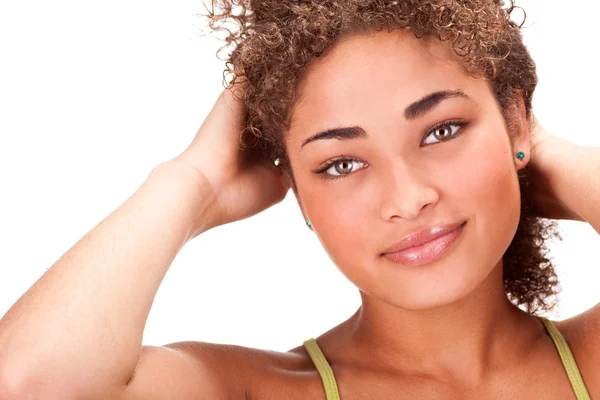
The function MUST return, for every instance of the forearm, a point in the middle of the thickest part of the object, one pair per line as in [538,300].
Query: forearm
[575,178]
[81,325]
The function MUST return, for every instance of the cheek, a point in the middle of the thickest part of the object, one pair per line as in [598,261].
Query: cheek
[342,224]
[488,190]
[487,183]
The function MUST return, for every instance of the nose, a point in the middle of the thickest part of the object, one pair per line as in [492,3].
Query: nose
[405,191]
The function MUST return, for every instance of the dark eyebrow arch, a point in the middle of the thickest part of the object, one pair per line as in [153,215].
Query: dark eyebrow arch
[429,102]
[413,111]
[348,133]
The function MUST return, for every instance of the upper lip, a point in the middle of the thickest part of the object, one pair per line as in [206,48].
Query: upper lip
[423,236]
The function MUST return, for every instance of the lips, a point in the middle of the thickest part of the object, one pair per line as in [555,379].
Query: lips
[425,246]
[421,237]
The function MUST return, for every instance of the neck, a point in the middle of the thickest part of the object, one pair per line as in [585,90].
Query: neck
[460,339]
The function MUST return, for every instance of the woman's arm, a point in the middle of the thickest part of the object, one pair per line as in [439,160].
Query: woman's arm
[79,328]
[77,332]
[572,174]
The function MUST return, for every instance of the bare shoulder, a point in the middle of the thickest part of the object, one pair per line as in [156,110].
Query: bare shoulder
[583,330]
[582,333]
[201,370]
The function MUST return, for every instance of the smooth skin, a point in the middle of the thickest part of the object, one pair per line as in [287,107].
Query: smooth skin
[442,330]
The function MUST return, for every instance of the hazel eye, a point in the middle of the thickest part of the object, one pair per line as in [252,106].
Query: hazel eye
[343,167]
[443,132]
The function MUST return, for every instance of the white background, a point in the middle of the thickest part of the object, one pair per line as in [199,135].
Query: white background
[94,95]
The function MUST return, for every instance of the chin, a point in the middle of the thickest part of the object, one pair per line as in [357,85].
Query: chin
[439,287]
[434,297]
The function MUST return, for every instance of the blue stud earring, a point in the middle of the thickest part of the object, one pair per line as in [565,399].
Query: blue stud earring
[520,155]
[308,224]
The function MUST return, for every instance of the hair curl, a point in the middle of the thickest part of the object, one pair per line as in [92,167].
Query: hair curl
[273,40]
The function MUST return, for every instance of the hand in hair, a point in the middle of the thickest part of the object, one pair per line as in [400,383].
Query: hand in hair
[546,149]
[240,181]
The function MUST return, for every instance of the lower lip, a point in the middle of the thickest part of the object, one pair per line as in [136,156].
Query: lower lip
[426,252]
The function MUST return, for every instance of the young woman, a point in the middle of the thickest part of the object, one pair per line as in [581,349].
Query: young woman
[405,131]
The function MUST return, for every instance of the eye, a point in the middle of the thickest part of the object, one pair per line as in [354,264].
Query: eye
[340,167]
[444,131]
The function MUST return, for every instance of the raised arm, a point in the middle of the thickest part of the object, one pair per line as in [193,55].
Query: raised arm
[568,174]
[567,177]
[79,328]
[77,332]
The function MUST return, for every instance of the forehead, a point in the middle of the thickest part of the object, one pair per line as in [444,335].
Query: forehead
[376,72]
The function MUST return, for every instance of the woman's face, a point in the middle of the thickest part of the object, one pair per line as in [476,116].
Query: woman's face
[404,172]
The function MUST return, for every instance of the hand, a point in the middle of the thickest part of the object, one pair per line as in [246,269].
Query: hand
[546,150]
[241,183]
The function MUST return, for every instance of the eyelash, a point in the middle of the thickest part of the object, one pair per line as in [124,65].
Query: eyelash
[322,170]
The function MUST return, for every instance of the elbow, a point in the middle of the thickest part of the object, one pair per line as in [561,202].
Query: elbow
[11,385]
[16,386]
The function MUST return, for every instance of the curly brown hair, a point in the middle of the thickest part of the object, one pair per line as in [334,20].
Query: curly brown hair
[271,42]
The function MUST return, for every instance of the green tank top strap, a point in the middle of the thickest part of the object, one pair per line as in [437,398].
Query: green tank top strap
[567,359]
[566,356]
[317,357]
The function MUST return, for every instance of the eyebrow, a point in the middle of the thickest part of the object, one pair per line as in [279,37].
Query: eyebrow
[413,111]
[429,102]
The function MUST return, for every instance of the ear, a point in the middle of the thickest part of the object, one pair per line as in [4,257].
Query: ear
[302,209]
[520,131]
[288,174]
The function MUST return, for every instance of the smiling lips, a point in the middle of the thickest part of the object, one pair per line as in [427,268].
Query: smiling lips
[424,246]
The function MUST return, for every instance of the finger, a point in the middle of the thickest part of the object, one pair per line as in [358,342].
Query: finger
[226,118]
